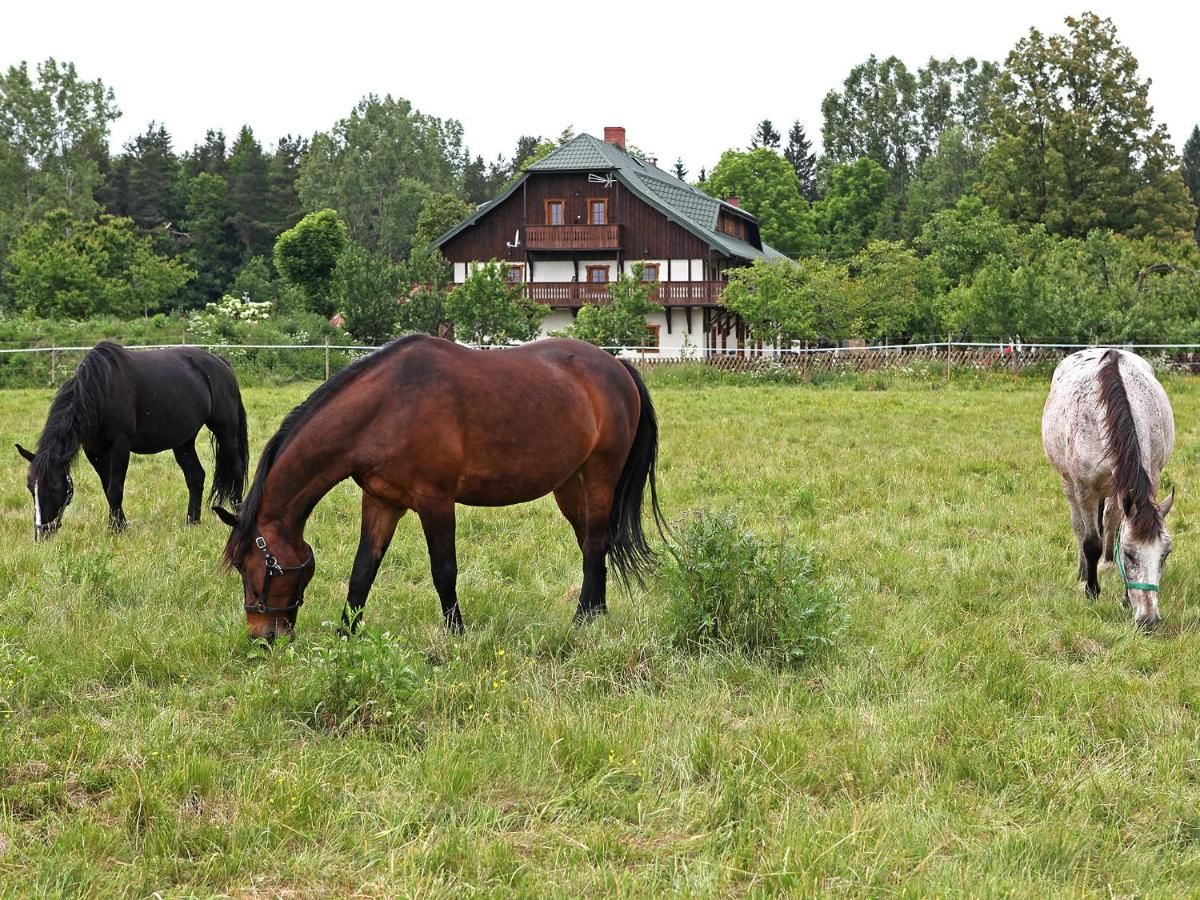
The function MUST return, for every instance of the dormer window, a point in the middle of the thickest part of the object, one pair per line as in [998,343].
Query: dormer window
[556,212]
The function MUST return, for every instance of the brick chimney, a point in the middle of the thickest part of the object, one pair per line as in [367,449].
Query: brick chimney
[615,135]
[733,200]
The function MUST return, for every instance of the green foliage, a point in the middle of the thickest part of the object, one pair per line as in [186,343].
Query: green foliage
[730,590]
[377,166]
[57,123]
[894,293]
[622,321]
[439,213]
[308,254]
[367,290]
[63,267]
[486,309]
[766,186]
[950,173]
[777,300]
[1076,146]
[1191,172]
[212,246]
[889,115]
[426,276]
[371,682]
[852,210]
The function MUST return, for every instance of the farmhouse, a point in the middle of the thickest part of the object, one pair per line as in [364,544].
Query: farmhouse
[589,210]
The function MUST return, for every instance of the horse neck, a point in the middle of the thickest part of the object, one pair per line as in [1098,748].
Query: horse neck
[297,482]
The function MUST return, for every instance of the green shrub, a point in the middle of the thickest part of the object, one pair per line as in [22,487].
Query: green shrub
[729,589]
[371,681]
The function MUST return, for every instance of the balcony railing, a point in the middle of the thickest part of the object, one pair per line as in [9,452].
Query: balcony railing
[569,294]
[573,237]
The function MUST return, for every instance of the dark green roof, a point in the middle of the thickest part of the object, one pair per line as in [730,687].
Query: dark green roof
[680,202]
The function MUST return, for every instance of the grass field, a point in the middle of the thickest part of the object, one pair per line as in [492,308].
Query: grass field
[981,727]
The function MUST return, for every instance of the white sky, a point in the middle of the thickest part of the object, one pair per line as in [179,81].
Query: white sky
[686,80]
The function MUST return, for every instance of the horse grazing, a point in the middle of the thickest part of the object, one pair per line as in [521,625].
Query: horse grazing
[1108,430]
[118,403]
[423,424]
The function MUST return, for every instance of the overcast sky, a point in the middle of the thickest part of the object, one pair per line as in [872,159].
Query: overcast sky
[686,80]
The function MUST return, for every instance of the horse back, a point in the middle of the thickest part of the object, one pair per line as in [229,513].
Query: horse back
[502,425]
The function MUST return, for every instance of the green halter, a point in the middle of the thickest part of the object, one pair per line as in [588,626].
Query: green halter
[1136,585]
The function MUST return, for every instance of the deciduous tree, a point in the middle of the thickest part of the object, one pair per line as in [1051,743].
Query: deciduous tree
[486,309]
[1076,144]
[308,254]
[766,186]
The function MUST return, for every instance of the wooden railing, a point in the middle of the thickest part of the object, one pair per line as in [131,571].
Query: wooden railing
[573,237]
[580,293]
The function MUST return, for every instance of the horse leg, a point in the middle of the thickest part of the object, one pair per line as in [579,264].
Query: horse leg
[1110,522]
[379,520]
[193,474]
[118,465]
[1084,516]
[588,509]
[98,457]
[437,521]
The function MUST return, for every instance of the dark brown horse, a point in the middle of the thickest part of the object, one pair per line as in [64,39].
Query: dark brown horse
[423,424]
[120,402]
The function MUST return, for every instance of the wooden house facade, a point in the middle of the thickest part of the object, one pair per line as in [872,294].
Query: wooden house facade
[588,211]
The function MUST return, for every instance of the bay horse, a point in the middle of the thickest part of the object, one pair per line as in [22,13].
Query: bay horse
[120,402]
[1107,428]
[424,423]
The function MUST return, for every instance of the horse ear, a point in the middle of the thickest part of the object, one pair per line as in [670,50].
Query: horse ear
[1166,505]
[25,453]
[226,516]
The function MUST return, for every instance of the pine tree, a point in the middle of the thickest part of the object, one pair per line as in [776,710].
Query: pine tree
[249,195]
[1191,172]
[765,136]
[146,187]
[679,170]
[803,162]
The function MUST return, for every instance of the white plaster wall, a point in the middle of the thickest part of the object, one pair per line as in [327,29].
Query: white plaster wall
[557,320]
[553,270]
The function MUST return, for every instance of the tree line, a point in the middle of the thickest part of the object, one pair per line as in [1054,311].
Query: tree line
[1037,196]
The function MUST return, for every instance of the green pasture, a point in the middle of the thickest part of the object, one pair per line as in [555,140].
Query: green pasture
[980,728]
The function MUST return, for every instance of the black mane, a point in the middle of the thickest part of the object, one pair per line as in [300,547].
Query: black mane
[1130,481]
[244,531]
[76,409]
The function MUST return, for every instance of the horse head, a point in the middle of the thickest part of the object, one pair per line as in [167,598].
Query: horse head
[52,490]
[272,591]
[1142,547]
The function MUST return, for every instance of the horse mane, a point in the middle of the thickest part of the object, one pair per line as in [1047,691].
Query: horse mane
[75,411]
[1130,481]
[244,531]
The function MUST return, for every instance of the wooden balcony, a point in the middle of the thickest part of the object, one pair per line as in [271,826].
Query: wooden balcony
[573,237]
[574,294]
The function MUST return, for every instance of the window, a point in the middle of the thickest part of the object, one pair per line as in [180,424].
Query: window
[556,212]
[516,273]
[650,272]
[597,274]
[651,340]
[597,212]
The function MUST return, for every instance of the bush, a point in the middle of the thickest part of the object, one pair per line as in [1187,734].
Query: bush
[370,681]
[730,590]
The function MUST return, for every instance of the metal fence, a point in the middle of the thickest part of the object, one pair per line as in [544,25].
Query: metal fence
[49,365]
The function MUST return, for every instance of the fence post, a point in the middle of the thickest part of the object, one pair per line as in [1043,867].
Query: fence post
[947,357]
[327,359]
[53,367]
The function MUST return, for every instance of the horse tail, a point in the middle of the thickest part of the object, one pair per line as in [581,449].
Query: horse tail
[231,450]
[627,545]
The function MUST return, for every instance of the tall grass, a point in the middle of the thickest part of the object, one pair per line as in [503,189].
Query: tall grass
[982,728]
